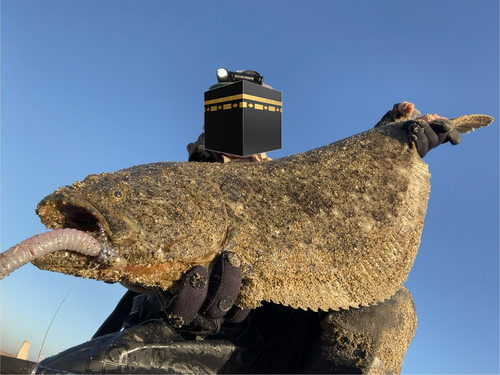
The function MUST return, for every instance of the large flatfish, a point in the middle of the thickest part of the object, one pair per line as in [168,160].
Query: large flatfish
[332,228]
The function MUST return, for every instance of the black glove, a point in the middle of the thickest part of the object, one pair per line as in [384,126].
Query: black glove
[427,136]
[199,307]
[203,302]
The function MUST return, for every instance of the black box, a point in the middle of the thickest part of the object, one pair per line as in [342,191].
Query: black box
[243,118]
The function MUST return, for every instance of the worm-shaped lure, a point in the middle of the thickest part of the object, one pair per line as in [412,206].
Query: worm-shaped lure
[45,243]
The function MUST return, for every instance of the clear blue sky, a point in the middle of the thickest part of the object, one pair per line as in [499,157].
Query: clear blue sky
[96,86]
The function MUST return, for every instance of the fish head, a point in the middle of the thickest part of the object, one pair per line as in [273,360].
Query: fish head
[155,221]
[81,208]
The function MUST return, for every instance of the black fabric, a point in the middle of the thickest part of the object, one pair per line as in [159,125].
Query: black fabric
[237,315]
[422,135]
[428,136]
[276,339]
[273,339]
[150,348]
[114,321]
[224,286]
[144,308]
[445,131]
[190,298]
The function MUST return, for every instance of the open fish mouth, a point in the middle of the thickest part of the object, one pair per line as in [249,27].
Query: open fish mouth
[62,210]
[78,226]
[70,209]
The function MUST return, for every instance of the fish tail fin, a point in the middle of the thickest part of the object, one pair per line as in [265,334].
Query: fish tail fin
[468,123]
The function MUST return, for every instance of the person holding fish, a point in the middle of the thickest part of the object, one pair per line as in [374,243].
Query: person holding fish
[196,328]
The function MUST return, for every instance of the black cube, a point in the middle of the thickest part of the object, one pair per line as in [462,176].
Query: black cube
[243,118]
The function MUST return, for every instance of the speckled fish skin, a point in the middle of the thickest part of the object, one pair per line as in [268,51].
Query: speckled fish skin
[335,227]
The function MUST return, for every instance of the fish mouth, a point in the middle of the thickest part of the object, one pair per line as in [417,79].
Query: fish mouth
[82,218]
[67,209]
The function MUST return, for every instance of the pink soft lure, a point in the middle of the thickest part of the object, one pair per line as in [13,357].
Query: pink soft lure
[45,243]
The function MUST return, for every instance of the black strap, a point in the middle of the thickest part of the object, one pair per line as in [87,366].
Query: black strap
[114,321]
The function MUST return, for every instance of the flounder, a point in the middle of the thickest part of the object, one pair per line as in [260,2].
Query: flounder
[332,228]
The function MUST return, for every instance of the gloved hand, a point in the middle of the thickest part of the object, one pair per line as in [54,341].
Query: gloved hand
[199,306]
[425,132]
[203,302]
[429,131]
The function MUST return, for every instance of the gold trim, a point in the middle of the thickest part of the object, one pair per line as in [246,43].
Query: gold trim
[243,96]
[243,105]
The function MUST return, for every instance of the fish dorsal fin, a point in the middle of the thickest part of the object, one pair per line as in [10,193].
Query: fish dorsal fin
[468,123]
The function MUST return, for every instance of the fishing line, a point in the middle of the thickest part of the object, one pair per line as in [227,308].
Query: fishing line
[50,324]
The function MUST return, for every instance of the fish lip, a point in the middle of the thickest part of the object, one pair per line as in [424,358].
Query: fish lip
[68,209]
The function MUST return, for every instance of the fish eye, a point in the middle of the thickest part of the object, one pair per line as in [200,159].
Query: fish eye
[116,195]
